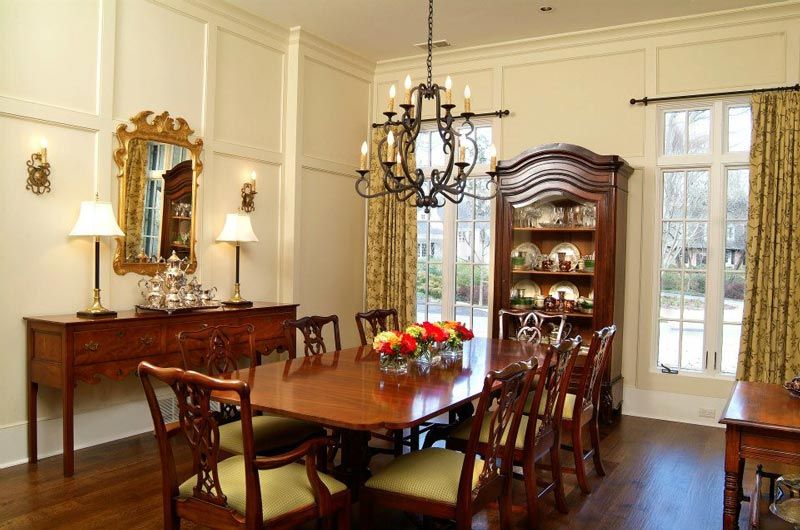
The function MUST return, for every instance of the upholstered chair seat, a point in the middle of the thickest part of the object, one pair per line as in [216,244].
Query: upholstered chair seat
[462,432]
[283,490]
[270,433]
[431,473]
[569,404]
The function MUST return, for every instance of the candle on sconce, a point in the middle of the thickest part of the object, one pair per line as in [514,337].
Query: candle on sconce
[397,159]
[390,147]
[467,99]
[407,85]
[448,90]
[364,156]
[253,180]
[462,153]
[43,150]
[492,158]
[392,94]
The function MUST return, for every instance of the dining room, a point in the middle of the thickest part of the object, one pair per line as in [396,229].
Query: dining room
[436,264]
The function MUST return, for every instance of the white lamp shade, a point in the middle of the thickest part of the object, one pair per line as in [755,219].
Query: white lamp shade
[237,229]
[96,219]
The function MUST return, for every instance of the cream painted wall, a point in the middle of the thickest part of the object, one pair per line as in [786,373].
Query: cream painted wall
[230,75]
[575,88]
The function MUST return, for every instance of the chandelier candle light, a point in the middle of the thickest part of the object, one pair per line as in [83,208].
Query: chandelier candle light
[449,183]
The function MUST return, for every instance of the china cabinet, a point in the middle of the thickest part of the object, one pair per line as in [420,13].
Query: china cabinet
[177,214]
[560,244]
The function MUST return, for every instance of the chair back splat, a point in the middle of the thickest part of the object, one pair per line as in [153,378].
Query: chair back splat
[596,360]
[378,320]
[311,327]
[217,349]
[552,388]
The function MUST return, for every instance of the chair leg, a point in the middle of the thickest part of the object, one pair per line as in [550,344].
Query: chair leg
[463,521]
[580,465]
[398,442]
[343,518]
[555,464]
[504,505]
[594,431]
[531,492]
[366,512]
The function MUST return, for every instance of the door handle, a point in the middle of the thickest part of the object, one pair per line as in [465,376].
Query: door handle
[91,346]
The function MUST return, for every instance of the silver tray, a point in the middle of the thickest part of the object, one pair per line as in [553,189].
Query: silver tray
[183,309]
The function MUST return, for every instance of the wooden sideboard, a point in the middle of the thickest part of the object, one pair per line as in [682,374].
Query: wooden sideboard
[65,349]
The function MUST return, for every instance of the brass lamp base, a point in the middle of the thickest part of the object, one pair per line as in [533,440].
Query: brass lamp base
[96,310]
[236,299]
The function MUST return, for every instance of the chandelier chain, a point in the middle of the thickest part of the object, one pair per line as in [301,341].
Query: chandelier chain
[430,42]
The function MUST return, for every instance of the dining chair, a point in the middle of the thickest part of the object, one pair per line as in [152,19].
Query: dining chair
[216,350]
[448,484]
[242,491]
[538,436]
[510,321]
[582,408]
[378,320]
[311,327]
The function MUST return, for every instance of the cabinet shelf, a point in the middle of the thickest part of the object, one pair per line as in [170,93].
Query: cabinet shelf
[554,273]
[182,217]
[552,230]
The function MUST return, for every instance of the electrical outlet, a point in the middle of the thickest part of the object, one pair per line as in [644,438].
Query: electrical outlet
[707,413]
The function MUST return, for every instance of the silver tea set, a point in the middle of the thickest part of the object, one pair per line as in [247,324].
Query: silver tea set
[173,289]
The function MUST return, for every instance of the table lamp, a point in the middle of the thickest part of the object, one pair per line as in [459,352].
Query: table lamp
[237,230]
[96,219]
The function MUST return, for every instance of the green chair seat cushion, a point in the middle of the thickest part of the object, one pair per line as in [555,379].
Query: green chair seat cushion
[283,489]
[463,430]
[569,404]
[431,473]
[269,433]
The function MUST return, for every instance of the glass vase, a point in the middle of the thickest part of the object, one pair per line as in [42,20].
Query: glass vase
[429,354]
[393,363]
[450,351]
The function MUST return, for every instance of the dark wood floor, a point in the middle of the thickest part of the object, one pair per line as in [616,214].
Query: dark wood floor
[661,475]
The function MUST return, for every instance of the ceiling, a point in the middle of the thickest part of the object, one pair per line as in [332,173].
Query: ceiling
[386,29]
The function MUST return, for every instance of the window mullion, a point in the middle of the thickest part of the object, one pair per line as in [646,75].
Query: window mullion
[448,261]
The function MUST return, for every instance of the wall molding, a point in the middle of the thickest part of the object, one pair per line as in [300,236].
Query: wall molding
[669,406]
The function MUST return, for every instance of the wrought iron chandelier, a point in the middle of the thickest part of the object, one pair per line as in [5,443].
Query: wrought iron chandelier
[394,151]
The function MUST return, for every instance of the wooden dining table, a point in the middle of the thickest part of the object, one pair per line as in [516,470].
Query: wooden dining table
[347,391]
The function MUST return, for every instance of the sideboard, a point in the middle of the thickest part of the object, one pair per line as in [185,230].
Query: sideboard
[65,349]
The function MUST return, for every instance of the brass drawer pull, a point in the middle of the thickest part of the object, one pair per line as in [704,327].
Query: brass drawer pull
[91,346]
[121,333]
[146,341]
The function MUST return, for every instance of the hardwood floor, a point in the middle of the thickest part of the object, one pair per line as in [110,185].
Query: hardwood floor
[661,475]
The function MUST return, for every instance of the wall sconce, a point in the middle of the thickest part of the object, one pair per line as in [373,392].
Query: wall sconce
[39,171]
[249,194]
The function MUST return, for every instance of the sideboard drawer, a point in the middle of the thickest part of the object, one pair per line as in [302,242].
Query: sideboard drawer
[268,327]
[117,344]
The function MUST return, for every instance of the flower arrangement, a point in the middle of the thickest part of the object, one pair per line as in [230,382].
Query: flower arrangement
[394,348]
[457,333]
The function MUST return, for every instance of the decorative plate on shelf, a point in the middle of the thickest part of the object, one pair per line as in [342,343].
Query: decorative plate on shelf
[569,288]
[531,253]
[571,251]
[530,287]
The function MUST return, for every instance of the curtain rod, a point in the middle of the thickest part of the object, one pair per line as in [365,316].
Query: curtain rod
[495,113]
[645,100]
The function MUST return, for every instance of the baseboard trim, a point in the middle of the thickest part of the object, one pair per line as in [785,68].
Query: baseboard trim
[669,406]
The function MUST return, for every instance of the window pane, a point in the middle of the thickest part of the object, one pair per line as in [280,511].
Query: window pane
[480,322]
[437,151]
[422,240]
[694,296]
[422,312]
[699,131]
[731,333]
[674,133]
[464,242]
[482,242]
[422,282]
[735,245]
[436,241]
[434,313]
[697,194]
[672,245]
[669,339]
[422,149]
[738,194]
[480,290]
[434,283]
[696,252]
[464,314]
[463,283]
[482,208]
[484,140]
[733,304]
[692,346]
[674,201]
[466,208]
[739,123]
[670,305]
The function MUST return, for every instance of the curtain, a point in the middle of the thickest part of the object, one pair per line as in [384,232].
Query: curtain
[770,342]
[391,246]
[134,197]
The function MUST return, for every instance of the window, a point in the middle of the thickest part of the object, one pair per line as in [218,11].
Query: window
[454,242]
[703,174]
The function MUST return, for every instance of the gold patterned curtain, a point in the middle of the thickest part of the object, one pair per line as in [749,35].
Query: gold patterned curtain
[770,343]
[391,246]
[134,197]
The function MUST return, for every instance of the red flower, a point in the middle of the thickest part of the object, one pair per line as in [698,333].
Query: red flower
[434,332]
[408,344]
[464,332]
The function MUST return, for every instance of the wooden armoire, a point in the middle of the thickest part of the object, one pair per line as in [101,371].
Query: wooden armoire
[565,198]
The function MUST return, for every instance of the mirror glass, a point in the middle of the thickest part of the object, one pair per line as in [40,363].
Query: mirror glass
[159,169]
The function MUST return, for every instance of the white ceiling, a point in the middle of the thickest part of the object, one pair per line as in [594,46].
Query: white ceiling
[386,29]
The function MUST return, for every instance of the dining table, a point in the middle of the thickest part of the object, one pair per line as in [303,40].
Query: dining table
[346,390]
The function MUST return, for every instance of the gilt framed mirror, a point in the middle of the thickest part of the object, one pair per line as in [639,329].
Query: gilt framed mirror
[159,169]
